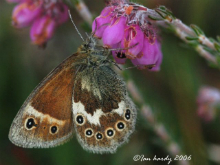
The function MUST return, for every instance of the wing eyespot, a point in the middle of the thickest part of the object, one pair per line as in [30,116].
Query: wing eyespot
[30,123]
[88,132]
[99,136]
[120,125]
[110,133]
[53,129]
[127,114]
[80,119]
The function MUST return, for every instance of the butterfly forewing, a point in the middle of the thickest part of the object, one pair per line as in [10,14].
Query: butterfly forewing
[45,119]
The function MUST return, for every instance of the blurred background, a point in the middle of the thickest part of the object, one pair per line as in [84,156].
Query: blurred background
[171,92]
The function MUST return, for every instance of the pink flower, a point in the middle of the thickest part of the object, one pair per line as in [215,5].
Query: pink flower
[42,30]
[158,53]
[102,21]
[122,25]
[119,55]
[25,13]
[114,33]
[150,54]
[208,101]
[43,17]
[133,36]
[60,13]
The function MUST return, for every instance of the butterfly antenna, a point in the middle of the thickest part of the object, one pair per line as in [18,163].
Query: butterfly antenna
[90,38]
[75,25]
[87,35]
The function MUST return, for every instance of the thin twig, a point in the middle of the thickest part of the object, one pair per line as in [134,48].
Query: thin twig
[83,11]
[166,19]
[172,147]
[185,33]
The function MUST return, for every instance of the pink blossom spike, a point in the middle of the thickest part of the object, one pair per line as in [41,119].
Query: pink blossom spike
[24,13]
[129,28]
[114,33]
[42,30]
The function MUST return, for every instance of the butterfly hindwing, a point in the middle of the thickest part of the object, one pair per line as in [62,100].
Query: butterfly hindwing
[104,115]
[45,119]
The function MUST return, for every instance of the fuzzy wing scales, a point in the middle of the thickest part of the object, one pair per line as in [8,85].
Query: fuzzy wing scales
[45,119]
[105,127]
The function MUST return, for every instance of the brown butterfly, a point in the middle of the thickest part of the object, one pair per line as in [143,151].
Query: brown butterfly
[82,95]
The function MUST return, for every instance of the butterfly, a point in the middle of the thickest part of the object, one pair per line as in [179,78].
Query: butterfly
[83,96]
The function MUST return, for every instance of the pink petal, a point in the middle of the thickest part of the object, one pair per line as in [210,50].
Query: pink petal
[114,33]
[160,57]
[24,14]
[101,22]
[150,55]
[133,36]
[42,30]
[61,11]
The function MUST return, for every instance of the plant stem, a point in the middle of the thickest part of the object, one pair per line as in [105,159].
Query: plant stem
[191,35]
[83,11]
[171,146]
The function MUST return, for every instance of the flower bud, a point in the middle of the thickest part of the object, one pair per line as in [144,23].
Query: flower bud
[42,30]
[149,55]
[25,13]
[208,101]
[101,22]
[114,33]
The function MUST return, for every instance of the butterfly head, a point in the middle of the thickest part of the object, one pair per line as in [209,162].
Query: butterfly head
[96,54]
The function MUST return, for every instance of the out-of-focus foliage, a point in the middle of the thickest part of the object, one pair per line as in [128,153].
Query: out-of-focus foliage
[171,92]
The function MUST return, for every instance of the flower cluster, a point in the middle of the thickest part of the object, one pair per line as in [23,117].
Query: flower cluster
[124,27]
[208,101]
[42,15]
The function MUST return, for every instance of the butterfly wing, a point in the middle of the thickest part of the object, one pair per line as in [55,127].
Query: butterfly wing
[46,119]
[104,115]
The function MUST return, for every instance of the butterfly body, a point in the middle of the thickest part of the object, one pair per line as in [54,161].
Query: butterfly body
[83,95]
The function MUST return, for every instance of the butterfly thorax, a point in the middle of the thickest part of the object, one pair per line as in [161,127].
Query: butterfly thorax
[96,85]
[96,55]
